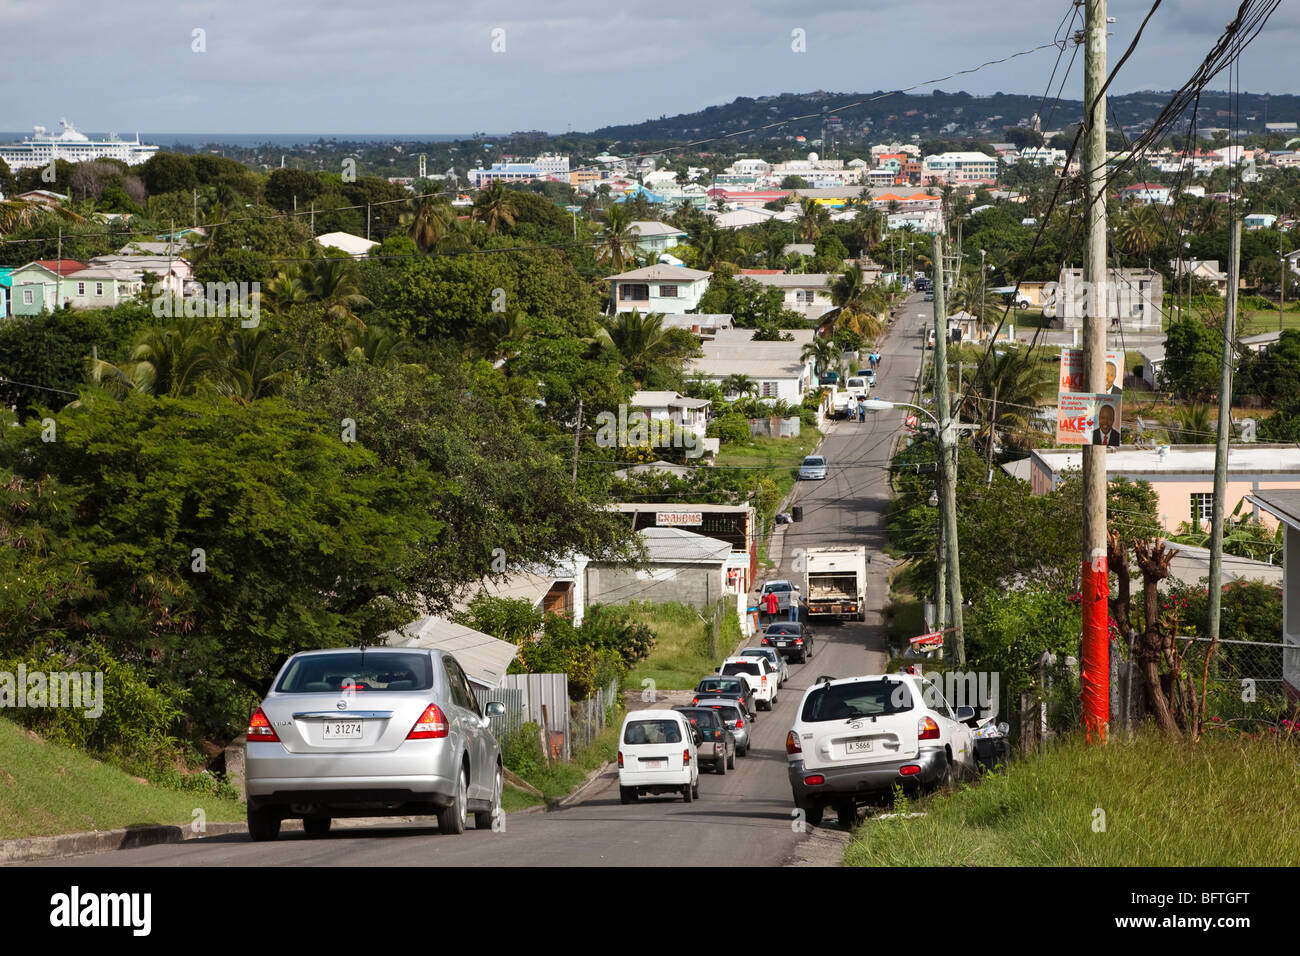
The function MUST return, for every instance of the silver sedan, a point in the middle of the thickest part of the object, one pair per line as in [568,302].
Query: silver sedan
[371,732]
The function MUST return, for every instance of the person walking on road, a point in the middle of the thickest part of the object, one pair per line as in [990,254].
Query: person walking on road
[771,604]
[795,601]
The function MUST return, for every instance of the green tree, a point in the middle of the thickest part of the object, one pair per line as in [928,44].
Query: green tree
[1192,356]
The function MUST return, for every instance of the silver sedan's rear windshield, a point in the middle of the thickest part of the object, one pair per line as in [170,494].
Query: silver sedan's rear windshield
[863,698]
[357,672]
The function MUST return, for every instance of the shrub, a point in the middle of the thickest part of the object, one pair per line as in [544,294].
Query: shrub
[732,429]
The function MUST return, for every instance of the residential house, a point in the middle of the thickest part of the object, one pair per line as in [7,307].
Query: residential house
[703,325]
[1134,298]
[355,246]
[1207,269]
[656,237]
[680,566]
[735,524]
[961,167]
[658,288]
[484,658]
[173,273]
[809,295]
[6,290]
[777,368]
[41,286]
[691,414]
[559,589]
[101,287]
[1150,193]
[1285,507]
[1182,476]
[1259,220]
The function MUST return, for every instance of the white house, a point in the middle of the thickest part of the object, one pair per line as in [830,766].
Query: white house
[809,295]
[355,246]
[658,288]
[653,236]
[100,287]
[1151,193]
[1259,220]
[692,414]
[777,368]
[1285,506]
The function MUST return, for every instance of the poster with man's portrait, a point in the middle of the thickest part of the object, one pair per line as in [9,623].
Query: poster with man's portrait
[1072,377]
[1087,418]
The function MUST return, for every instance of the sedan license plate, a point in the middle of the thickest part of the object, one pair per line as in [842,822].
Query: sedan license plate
[341,730]
[863,746]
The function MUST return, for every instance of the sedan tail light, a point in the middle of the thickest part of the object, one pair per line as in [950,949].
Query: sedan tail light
[792,743]
[260,729]
[432,723]
[695,700]
[798,641]
[740,723]
[765,640]
[927,729]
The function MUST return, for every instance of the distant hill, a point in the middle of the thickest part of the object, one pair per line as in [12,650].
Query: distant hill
[938,115]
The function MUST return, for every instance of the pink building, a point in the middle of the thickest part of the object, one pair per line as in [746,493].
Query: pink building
[1183,476]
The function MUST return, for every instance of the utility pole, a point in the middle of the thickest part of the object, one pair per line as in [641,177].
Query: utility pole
[1281,305]
[1095,663]
[58,272]
[367,222]
[1225,423]
[993,418]
[577,433]
[956,645]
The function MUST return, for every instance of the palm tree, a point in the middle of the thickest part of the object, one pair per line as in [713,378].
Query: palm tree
[639,341]
[739,384]
[618,238]
[172,360]
[1022,384]
[18,213]
[849,288]
[868,225]
[825,354]
[495,207]
[253,364]
[813,218]
[713,245]
[283,292]
[1192,425]
[333,281]
[429,220]
[1140,231]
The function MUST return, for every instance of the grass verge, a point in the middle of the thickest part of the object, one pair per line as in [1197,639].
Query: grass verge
[776,459]
[682,652]
[1147,802]
[48,789]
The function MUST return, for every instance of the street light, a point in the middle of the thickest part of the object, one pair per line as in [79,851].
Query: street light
[881,405]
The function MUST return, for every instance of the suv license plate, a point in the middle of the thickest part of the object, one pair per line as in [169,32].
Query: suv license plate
[341,730]
[857,746]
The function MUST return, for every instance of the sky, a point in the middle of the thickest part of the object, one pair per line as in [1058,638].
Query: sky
[429,66]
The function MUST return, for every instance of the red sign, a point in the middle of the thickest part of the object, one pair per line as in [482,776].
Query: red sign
[911,421]
[926,641]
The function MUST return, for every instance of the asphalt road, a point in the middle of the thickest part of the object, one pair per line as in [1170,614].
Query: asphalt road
[743,818]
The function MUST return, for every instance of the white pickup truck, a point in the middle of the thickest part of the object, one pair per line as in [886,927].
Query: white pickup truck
[835,582]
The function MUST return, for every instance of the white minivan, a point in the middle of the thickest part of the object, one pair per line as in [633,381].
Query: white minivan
[657,754]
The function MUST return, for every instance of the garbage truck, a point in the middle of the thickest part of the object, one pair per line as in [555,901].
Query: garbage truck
[835,583]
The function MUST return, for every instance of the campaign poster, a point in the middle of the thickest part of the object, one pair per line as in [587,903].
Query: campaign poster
[1072,379]
[1086,418]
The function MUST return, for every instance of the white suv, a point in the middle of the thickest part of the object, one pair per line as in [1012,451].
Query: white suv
[856,738]
[758,673]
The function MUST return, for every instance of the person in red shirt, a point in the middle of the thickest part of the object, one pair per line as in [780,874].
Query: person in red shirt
[771,604]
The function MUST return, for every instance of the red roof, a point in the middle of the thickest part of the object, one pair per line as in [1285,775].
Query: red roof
[61,266]
[762,272]
[1144,186]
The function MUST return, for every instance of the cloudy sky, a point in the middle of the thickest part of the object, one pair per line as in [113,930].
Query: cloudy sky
[429,66]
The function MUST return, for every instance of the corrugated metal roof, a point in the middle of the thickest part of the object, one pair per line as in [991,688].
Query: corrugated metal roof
[484,658]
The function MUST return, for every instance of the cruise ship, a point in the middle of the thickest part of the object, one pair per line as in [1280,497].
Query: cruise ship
[72,146]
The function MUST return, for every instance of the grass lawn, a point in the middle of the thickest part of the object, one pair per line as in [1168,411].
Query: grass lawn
[681,653]
[47,789]
[774,458]
[1149,802]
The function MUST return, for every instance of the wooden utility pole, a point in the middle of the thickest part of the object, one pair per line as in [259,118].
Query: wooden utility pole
[1225,423]
[993,418]
[955,643]
[1095,663]
[577,434]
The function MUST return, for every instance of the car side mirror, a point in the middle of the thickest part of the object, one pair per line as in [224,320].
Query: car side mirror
[717,670]
[965,714]
[495,708]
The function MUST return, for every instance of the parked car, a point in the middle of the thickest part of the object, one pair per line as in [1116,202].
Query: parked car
[813,468]
[373,732]
[784,590]
[856,738]
[777,661]
[870,376]
[758,673]
[793,640]
[717,744]
[657,754]
[734,716]
[734,687]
